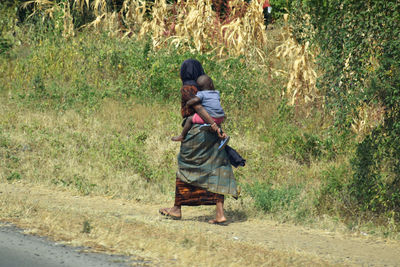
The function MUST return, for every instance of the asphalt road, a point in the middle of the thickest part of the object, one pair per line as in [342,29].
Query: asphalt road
[20,250]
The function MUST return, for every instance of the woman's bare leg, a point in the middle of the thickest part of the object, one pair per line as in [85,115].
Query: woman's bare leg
[219,216]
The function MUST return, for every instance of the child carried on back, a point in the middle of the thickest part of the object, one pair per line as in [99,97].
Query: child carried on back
[210,100]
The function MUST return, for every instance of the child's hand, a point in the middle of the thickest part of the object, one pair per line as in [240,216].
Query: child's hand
[218,130]
[223,135]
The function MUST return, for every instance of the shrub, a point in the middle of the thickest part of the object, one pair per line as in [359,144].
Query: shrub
[333,196]
[360,61]
[302,146]
[5,45]
[279,7]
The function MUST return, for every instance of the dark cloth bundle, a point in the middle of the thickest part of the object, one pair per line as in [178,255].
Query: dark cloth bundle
[234,157]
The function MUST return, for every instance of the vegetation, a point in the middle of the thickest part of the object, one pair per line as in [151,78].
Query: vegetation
[89,98]
[360,57]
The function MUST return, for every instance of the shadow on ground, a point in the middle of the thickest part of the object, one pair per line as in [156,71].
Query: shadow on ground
[233,216]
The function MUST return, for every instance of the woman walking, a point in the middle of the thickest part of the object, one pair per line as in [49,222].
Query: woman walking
[204,174]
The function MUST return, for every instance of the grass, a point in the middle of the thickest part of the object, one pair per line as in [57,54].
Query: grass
[123,150]
[94,115]
[87,154]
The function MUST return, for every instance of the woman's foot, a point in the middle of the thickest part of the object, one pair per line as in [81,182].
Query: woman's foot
[217,221]
[219,215]
[174,212]
[178,138]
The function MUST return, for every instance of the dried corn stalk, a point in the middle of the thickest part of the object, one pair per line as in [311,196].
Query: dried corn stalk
[157,25]
[52,10]
[196,21]
[301,86]
[134,15]
[245,34]
[99,7]
[109,22]
[48,7]
[68,21]
[189,23]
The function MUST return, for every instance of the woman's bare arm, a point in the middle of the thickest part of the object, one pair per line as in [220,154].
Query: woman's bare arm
[208,119]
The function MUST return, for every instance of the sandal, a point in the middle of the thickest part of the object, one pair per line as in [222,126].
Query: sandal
[214,221]
[223,143]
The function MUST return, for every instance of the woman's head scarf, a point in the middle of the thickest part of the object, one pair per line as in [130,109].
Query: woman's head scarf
[191,69]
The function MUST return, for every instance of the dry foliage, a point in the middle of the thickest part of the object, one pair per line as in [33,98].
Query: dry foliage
[59,12]
[191,24]
[368,118]
[301,87]
[68,23]
[134,18]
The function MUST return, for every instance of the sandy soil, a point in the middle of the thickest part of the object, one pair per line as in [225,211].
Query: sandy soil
[164,242]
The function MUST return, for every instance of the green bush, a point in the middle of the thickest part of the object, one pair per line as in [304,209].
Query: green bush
[360,61]
[333,196]
[5,45]
[279,7]
[301,146]
[376,182]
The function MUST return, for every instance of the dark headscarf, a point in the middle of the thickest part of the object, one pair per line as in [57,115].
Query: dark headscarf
[191,69]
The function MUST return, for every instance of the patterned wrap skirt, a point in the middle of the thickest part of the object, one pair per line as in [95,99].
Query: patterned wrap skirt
[189,195]
[204,174]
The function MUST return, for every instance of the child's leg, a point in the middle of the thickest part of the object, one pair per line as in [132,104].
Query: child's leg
[187,126]
[185,130]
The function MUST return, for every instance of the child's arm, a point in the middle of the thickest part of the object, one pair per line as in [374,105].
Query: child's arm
[193,101]
[208,119]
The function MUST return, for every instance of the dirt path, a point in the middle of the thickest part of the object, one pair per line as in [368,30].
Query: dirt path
[132,228]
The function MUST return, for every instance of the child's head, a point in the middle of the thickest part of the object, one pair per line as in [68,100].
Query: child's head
[205,83]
